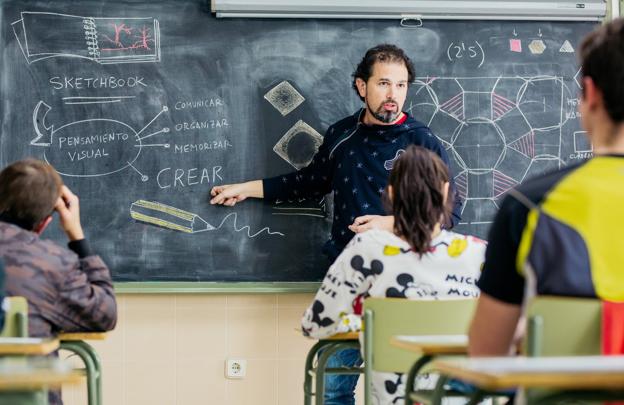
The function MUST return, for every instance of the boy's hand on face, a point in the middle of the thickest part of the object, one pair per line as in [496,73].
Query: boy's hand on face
[68,208]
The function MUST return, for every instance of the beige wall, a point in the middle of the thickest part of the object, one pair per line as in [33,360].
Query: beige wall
[171,350]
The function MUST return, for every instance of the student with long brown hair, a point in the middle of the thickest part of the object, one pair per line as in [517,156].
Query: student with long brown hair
[418,260]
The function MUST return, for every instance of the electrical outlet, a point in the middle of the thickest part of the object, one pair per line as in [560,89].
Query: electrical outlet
[235,368]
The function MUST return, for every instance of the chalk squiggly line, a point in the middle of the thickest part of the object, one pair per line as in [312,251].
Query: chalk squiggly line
[267,229]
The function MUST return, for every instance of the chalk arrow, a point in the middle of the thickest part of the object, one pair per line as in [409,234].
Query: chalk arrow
[39,115]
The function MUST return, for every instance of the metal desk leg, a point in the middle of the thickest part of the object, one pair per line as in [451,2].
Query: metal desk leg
[438,391]
[411,376]
[93,368]
[309,365]
[476,397]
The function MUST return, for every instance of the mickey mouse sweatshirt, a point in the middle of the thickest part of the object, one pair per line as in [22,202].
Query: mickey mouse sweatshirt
[377,263]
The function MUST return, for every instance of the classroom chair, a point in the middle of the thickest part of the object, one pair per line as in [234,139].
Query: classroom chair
[563,326]
[15,317]
[388,317]
[560,326]
[16,325]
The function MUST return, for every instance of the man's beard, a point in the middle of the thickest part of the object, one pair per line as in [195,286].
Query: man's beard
[383,115]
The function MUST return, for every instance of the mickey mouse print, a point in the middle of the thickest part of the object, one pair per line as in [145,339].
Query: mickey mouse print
[377,263]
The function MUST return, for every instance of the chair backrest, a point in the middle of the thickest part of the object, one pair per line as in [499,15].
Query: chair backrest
[387,317]
[15,317]
[562,326]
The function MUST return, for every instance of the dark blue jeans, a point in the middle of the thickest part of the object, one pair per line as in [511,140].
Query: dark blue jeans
[340,389]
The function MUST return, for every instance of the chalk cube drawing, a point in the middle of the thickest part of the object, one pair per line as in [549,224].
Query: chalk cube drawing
[284,97]
[299,145]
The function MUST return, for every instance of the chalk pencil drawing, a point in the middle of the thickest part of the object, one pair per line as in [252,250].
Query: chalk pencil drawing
[165,216]
[176,219]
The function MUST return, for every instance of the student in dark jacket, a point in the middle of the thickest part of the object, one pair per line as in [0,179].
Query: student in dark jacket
[67,289]
[2,314]
[354,162]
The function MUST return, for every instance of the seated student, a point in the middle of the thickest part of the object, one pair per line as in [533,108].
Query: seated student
[2,295]
[66,289]
[416,261]
[559,234]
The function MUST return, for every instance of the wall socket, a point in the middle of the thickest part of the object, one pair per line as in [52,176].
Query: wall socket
[235,368]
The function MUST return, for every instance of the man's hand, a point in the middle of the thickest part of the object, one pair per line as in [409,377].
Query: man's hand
[68,208]
[366,222]
[230,194]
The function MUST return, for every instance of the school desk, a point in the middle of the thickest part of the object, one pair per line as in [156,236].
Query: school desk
[75,343]
[565,378]
[25,380]
[27,346]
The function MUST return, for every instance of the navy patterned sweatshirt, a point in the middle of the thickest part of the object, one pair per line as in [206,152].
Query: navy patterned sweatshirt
[354,162]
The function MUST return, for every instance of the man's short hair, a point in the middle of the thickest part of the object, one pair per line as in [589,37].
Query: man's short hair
[384,53]
[29,190]
[602,59]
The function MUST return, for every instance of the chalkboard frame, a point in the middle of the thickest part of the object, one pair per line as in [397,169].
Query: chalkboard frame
[224,287]
[189,287]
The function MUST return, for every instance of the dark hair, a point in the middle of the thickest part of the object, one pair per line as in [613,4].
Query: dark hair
[602,59]
[384,53]
[417,202]
[29,190]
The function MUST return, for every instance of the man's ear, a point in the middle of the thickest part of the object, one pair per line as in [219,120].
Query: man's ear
[592,96]
[361,87]
[41,226]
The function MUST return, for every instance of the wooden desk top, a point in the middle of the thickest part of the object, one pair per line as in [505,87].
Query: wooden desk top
[27,346]
[82,336]
[33,373]
[575,372]
[432,344]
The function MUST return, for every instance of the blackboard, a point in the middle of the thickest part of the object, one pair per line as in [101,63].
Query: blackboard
[144,106]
